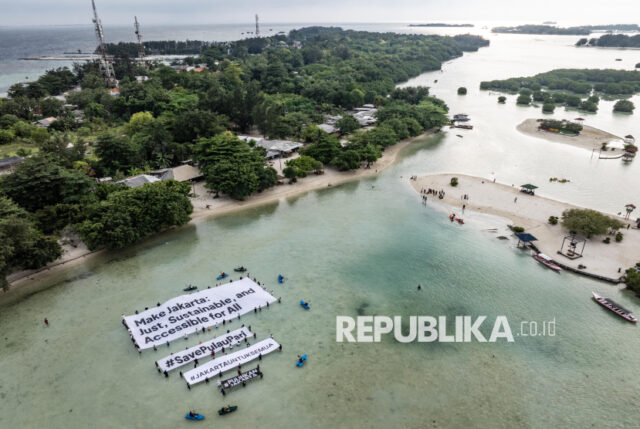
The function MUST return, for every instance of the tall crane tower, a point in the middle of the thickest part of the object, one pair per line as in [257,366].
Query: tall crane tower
[139,37]
[105,65]
[257,26]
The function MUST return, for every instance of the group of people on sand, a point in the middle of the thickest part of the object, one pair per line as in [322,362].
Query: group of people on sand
[428,191]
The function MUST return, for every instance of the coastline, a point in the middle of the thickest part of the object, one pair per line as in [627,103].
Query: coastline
[72,257]
[532,213]
[590,138]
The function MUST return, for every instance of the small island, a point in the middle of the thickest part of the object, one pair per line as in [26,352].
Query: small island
[533,214]
[542,29]
[566,132]
[611,41]
[583,30]
[440,24]
[579,81]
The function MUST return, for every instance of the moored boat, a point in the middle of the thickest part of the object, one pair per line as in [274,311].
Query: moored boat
[546,261]
[616,308]
[461,117]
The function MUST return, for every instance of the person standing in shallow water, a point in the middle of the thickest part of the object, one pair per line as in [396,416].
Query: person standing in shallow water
[46,321]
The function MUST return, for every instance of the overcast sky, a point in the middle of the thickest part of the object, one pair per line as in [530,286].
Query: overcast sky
[119,12]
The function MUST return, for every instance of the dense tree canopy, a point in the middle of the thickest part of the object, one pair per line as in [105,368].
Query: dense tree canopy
[162,116]
[22,245]
[128,215]
[40,181]
[579,81]
[588,222]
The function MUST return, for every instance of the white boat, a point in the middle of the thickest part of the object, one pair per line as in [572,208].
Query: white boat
[616,308]
[546,261]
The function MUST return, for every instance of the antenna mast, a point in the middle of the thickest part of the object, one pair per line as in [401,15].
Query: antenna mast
[257,26]
[105,65]
[139,37]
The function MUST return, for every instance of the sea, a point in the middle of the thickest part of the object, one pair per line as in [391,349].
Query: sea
[359,249]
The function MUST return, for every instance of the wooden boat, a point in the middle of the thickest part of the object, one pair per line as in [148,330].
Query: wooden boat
[546,261]
[227,410]
[190,288]
[464,127]
[616,308]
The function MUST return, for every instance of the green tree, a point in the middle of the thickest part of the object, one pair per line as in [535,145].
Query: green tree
[347,124]
[462,91]
[6,137]
[129,215]
[40,181]
[625,106]
[524,99]
[51,107]
[548,107]
[7,121]
[588,222]
[116,153]
[39,135]
[231,166]
[302,166]
[324,150]
[21,244]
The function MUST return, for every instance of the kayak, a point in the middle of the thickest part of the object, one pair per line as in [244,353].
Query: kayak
[302,360]
[240,269]
[194,417]
[231,409]
[190,288]
[280,278]
[305,305]
[222,276]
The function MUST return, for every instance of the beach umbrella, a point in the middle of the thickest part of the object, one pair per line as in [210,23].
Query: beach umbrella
[529,186]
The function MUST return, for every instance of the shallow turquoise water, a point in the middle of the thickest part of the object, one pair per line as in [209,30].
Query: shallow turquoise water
[354,249]
[360,248]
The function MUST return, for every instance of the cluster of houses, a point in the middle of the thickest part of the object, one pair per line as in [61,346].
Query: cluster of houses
[365,115]
[182,173]
[274,148]
[199,68]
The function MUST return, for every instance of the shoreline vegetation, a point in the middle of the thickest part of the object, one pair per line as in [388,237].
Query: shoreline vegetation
[611,41]
[206,207]
[441,24]
[589,137]
[532,213]
[583,30]
[99,138]
[575,88]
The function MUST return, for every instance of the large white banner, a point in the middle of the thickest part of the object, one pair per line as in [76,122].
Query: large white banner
[230,361]
[202,350]
[187,314]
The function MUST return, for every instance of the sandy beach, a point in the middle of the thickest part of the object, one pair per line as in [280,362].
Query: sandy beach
[590,138]
[331,177]
[532,213]
[205,207]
